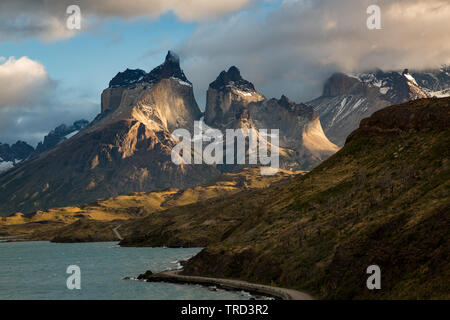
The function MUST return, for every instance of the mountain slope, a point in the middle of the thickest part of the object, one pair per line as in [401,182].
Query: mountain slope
[382,199]
[125,149]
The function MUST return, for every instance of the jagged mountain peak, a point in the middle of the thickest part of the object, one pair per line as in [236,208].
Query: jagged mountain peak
[128,77]
[170,68]
[172,57]
[285,101]
[232,78]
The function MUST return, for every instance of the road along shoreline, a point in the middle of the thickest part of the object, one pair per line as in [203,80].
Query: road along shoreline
[175,276]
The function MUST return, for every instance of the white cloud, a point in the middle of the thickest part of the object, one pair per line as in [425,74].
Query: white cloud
[20,80]
[31,103]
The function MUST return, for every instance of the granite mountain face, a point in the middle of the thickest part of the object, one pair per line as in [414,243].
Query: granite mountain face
[233,102]
[347,99]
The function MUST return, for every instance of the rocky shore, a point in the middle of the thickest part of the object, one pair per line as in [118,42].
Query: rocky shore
[175,276]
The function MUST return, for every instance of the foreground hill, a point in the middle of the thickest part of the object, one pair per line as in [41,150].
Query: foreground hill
[383,199]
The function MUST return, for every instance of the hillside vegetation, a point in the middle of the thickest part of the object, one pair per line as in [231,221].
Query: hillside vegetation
[383,199]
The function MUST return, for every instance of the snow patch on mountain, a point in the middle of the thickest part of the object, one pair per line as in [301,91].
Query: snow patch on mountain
[183,83]
[6,165]
[70,135]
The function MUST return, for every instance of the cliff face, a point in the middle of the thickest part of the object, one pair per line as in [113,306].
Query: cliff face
[227,98]
[126,149]
[233,102]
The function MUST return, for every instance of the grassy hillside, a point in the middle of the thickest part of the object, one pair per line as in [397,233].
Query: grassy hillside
[96,217]
[383,199]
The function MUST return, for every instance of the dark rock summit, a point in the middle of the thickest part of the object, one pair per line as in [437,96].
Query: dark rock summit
[170,68]
[232,77]
[127,77]
[16,152]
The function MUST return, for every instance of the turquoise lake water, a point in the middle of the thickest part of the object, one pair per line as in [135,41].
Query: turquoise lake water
[37,270]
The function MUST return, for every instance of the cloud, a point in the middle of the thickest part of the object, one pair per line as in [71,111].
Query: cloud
[46,19]
[20,80]
[193,10]
[293,49]
[31,103]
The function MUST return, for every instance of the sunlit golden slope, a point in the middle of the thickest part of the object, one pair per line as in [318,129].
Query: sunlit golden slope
[137,204]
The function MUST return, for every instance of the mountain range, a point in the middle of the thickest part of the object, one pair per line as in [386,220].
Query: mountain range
[127,147]
[20,151]
[349,98]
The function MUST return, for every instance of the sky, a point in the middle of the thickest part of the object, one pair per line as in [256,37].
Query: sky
[50,74]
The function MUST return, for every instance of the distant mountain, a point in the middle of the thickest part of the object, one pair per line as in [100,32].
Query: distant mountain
[126,149]
[233,102]
[347,99]
[13,155]
[436,82]
[60,134]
